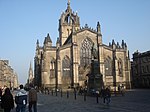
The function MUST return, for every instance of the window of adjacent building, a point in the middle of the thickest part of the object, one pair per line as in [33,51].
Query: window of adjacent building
[85,52]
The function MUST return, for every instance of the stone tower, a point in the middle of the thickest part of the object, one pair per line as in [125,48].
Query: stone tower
[31,77]
[68,21]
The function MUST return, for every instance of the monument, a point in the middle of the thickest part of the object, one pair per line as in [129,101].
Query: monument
[95,81]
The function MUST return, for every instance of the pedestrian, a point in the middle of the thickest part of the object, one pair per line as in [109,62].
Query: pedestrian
[0,96]
[21,99]
[107,95]
[32,98]
[119,89]
[122,90]
[1,92]
[7,100]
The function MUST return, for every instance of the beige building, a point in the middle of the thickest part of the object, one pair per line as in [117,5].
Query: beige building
[68,63]
[7,75]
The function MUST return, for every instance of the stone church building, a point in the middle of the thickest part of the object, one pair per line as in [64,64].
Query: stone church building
[69,62]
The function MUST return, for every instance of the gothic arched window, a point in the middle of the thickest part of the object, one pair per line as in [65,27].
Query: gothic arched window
[69,19]
[66,77]
[85,53]
[120,67]
[108,66]
[52,68]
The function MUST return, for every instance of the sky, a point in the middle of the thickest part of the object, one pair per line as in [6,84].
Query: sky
[22,22]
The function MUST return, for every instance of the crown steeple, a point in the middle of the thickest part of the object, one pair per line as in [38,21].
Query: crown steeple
[68,20]
[68,7]
[68,3]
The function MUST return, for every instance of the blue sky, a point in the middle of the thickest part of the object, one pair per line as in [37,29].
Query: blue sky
[22,22]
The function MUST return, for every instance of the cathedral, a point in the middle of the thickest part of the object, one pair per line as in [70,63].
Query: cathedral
[68,63]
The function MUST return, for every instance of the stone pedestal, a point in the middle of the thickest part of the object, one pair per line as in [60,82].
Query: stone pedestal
[95,81]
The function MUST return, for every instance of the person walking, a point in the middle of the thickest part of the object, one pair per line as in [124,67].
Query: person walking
[1,92]
[21,100]
[0,95]
[7,100]
[32,98]
[107,96]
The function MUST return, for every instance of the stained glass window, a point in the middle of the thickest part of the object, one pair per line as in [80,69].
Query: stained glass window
[85,53]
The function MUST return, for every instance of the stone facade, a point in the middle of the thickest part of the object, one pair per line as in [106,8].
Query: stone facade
[8,78]
[140,70]
[68,63]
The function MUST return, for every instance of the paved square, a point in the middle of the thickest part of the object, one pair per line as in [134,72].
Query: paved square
[133,101]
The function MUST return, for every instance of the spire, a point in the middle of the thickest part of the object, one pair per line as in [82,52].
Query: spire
[30,74]
[118,46]
[123,44]
[30,66]
[68,3]
[37,44]
[48,38]
[98,28]
[113,44]
[68,7]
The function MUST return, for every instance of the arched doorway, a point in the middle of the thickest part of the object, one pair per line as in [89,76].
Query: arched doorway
[66,76]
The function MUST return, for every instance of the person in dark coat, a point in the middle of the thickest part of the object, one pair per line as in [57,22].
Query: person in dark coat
[7,101]
[0,96]
[0,92]
[107,95]
[32,99]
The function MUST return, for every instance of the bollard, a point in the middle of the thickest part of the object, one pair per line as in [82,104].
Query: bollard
[61,93]
[97,98]
[48,91]
[67,94]
[56,92]
[45,91]
[52,92]
[84,96]
[75,96]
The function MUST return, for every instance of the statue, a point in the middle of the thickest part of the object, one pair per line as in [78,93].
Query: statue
[94,52]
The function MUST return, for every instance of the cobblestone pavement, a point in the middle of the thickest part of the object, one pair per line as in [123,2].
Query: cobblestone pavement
[133,101]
